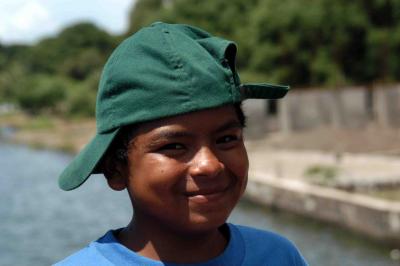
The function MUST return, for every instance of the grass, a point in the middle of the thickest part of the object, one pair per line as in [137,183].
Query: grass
[49,132]
[385,193]
[322,174]
[23,121]
[39,123]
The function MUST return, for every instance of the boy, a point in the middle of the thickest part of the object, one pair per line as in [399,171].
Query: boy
[169,130]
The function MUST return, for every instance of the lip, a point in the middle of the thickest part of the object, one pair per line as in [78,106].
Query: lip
[205,196]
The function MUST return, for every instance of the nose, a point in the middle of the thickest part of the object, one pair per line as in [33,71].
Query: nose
[205,163]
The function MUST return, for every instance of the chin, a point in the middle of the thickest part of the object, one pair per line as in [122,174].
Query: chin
[198,223]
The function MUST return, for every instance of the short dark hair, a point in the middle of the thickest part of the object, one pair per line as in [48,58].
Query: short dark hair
[118,150]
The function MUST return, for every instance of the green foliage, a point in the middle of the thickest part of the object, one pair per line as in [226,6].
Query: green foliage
[322,174]
[69,50]
[81,65]
[81,101]
[298,42]
[39,122]
[59,74]
[85,35]
[12,54]
[92,81]
[10,80]
[144,13]
[40,93]
[306,42]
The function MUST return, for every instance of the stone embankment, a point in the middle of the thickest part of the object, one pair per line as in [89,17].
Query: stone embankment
[283,179]
[314,184]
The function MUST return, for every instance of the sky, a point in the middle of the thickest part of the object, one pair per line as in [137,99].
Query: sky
[27,21]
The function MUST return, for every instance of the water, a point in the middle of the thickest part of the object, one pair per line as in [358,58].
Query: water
[40,224]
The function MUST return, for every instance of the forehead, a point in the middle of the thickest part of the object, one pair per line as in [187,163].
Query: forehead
[208,120]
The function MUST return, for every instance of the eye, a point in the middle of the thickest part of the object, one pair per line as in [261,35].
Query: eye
[172,146]
[227,139]
[172,149]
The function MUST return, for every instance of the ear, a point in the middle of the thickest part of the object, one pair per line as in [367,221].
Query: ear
[115,173]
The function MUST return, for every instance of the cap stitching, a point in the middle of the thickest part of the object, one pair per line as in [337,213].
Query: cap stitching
[177,62]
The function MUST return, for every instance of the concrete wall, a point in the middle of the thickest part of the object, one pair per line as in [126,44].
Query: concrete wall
[394,106]
[377,218]
[350,107]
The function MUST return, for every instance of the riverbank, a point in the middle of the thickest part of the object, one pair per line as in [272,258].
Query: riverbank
[332,176]
[71,134]
[365,161]
[360,192]
[48,132]
[35,213]
[280,179]
[372,217]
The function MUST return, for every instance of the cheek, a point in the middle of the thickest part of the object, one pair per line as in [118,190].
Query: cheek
[239,163]
[154,173]
[244,169]
[245,164]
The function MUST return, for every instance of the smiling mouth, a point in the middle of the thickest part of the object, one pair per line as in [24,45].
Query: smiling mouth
[205,196]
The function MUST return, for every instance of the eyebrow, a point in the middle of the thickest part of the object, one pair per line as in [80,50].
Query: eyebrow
[171,134]
[233,124]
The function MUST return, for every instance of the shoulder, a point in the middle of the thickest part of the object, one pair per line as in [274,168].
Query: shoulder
[267,247]
[88,256]
[253,236]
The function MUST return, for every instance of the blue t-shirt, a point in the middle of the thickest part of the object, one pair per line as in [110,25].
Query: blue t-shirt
[246,246]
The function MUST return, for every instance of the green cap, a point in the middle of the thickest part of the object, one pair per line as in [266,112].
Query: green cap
[162,70]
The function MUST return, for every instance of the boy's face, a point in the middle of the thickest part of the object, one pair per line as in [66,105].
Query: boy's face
[186,173]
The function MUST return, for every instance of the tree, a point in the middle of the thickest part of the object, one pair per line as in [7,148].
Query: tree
[49,55]
[143,13]
[40,93]
[300,42]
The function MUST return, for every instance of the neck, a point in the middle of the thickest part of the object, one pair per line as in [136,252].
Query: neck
[159,243]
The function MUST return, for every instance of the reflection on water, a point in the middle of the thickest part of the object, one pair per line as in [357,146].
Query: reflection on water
[320,243]
[40,224]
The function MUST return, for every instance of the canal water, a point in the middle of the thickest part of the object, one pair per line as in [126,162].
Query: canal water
[40,224]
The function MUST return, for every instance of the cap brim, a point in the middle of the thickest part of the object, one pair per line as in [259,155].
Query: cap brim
[263,91]
[83,165]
